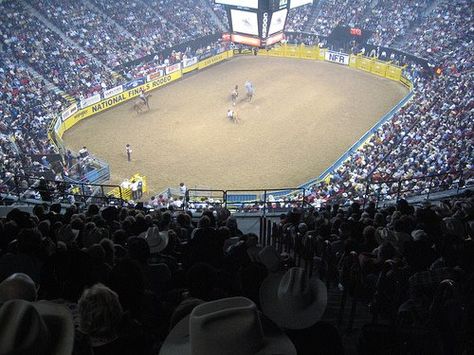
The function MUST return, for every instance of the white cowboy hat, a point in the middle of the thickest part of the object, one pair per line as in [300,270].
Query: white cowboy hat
[42,328]
[229,326]
[292,300]
[157,241]
[269,257]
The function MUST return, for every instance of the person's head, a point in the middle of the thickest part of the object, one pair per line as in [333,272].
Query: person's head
[99,312]
[204,222]
[138,249]
[29,241]
[236,87]
[17,287]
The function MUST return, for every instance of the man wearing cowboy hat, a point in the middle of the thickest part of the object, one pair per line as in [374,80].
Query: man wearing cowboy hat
[228,326]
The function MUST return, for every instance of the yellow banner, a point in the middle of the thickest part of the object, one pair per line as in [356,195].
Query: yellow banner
[364,64]
[190,68]
[379,68]
[393,72]
[115,100]
[215,59]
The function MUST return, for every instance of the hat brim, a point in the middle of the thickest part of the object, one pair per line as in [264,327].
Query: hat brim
[59,321]
[279,313]
[275,341]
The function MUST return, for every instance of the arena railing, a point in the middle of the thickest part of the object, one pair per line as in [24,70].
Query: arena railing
[262,201]
[29,189]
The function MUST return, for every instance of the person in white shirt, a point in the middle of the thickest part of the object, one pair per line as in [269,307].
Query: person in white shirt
[182,188]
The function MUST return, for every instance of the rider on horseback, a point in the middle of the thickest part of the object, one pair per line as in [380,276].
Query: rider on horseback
[144,97]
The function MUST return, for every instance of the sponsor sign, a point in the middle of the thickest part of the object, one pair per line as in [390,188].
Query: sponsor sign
[189,61]
[155,75]
[215,59]
[172,68]
[68,112]
[114,91]
[127,95]
[336,57]
[133,84]
[90,100]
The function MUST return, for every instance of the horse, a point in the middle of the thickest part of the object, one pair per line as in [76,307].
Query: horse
[139,105]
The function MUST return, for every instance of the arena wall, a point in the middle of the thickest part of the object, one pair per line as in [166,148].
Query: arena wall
[164,76]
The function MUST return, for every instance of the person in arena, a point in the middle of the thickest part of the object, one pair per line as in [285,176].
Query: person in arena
[144,97]
[235,95]
[232,115]
[249,89]
[128,149]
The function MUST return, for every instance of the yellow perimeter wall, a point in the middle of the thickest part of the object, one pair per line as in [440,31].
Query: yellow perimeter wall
[371,65]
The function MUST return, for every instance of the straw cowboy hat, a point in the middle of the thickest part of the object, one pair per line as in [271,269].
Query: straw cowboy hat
[41,328]
[229,326]
[292,300]
[157,241]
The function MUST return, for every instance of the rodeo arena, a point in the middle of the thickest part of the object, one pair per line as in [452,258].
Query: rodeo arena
[236,177]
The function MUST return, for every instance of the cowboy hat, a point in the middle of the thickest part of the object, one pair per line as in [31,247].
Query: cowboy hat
[157,241]
[269,257]
[35,328]
[229,326]
[292,300]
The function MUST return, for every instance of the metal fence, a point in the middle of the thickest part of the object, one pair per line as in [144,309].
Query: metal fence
[250,200]
[29,189]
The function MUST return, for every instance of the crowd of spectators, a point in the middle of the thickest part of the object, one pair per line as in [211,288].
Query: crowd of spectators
[93,31]
[26,109]
[125,280]
[44,50]
[332,13]
[390,20]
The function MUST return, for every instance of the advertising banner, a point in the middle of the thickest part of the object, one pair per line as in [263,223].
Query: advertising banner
[337,57]
[172,68]
[215,59]
[114,91]
[189,61]
[133,84]
[90,100]
[68,112]
[155,75]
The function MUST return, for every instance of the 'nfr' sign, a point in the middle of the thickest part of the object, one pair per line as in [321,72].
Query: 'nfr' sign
[336,57]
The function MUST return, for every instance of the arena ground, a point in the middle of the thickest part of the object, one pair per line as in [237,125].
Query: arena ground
[305,114]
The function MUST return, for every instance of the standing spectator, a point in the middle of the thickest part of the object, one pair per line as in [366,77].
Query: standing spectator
[182,189]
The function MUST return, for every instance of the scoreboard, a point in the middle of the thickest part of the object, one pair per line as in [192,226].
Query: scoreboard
[258,23]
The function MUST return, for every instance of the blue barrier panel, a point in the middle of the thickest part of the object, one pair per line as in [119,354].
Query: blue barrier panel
[241,198]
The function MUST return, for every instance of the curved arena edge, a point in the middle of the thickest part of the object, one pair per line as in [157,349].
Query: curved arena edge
[128,91]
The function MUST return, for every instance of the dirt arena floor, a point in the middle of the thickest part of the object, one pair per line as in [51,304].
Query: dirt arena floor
[304,115]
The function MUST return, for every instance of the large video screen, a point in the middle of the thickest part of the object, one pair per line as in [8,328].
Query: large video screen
[296,3]
[278,21]
[244,22]
[253,4]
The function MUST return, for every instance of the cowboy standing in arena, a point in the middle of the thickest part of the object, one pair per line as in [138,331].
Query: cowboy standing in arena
[235,95]
[128,149]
